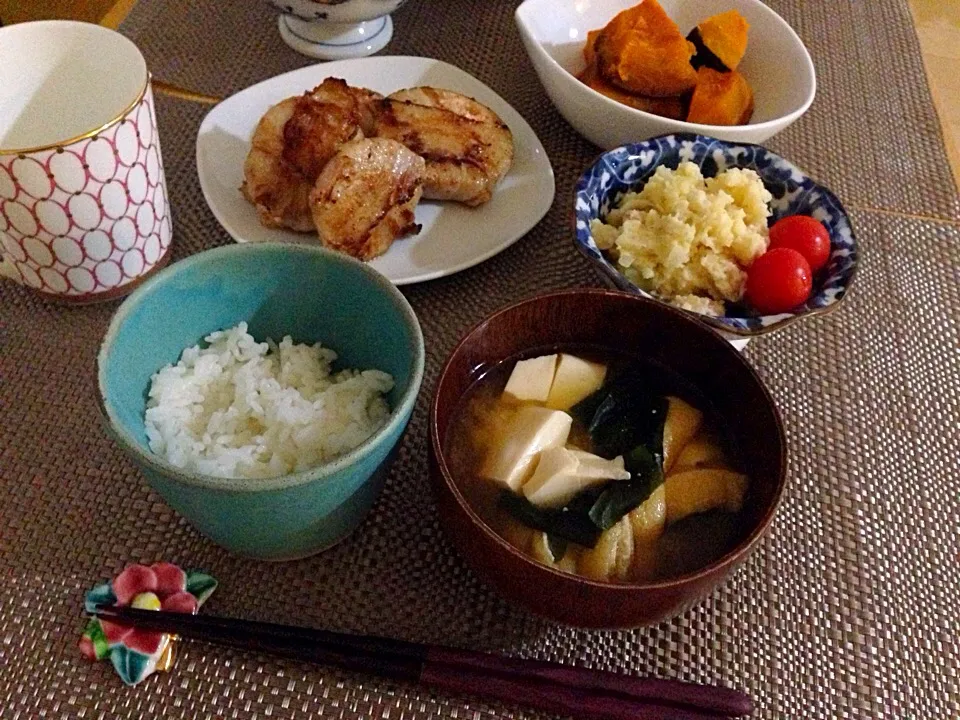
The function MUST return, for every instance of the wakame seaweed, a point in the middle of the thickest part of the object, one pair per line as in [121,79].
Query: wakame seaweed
[571,523]
[557,546]
[620,497]
[624,417]
[623,414]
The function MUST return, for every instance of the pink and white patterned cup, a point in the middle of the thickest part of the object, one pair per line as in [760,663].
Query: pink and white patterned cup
[84,214]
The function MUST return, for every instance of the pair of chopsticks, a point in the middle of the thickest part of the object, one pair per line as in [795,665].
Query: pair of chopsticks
[551,687]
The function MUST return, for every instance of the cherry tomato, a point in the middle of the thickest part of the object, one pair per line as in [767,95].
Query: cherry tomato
[778,281]
[805,235]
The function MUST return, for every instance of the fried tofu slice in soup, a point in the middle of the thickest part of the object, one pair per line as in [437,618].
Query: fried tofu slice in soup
[366,195]
[611,557]
[468,149]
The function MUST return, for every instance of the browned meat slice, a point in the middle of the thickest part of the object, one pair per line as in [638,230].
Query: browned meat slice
[357,100]
[324,119]
[292,143]
[365,197]
[455,102]
[278,190]
[467,148]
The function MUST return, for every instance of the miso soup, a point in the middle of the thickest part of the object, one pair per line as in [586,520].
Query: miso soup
[598,464]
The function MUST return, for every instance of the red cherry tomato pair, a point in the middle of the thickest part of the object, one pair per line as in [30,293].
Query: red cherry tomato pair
[782,277]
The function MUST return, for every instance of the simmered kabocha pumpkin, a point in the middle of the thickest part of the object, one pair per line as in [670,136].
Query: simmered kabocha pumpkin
[643,51]
[720,40]
[589,48]
[641,60]
[721,98]
[670,107]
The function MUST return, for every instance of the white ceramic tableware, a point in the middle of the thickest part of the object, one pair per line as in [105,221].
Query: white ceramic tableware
[336,29]
[84,214]
[776,64]
[453,237]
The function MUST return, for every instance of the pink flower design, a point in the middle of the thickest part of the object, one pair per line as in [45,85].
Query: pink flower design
[161,586]
[167,582]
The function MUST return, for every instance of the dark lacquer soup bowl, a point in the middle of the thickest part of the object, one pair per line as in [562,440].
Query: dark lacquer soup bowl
[653,333]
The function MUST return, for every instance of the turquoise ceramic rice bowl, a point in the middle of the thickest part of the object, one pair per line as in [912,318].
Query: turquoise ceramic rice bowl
[309,293]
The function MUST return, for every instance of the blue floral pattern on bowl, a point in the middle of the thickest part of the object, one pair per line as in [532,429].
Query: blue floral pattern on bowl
[336,10]
[794,193]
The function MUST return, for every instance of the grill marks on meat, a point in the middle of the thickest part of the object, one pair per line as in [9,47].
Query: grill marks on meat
[314,133]
[293,142]
[352,165]
[467,148]
[331,114]
[448,100]
[278,191]
[366,195]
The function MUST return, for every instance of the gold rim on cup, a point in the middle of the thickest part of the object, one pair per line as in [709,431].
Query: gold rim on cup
[90,133]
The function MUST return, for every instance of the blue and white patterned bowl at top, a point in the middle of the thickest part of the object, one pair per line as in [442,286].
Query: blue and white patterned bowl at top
[627,168]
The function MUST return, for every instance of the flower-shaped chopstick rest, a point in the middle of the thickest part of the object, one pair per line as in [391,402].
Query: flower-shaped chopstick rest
[136,653]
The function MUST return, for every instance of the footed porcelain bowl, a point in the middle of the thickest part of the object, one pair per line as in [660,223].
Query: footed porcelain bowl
[627,168]
[336,29]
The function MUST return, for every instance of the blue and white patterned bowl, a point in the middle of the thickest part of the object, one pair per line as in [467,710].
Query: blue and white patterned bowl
[794,193]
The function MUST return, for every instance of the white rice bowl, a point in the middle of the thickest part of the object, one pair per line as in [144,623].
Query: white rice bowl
[242,409]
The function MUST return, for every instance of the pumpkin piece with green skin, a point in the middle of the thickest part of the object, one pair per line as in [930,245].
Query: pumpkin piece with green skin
[721,41]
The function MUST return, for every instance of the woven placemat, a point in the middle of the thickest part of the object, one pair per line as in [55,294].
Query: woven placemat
[848,609]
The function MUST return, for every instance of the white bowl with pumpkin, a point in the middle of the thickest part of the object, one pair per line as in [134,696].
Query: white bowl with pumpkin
[621,71]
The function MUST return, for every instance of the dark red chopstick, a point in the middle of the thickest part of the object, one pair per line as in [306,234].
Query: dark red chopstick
[552,687]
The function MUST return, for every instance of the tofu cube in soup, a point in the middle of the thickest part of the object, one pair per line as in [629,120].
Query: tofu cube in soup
[588,466]
[559,381]
[561,474]
[528,432]
[532,379]
[574,380]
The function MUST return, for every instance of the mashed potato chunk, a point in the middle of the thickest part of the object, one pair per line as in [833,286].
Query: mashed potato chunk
[688,239]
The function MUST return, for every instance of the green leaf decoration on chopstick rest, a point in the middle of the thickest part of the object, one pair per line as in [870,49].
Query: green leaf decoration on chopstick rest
[200,585]
[100,595]
[137,653]
[131,666]
[98,640]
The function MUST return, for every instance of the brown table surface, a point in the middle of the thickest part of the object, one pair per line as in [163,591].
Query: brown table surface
[848,609]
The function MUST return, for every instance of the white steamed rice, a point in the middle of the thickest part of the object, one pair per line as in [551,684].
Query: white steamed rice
[239,408]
